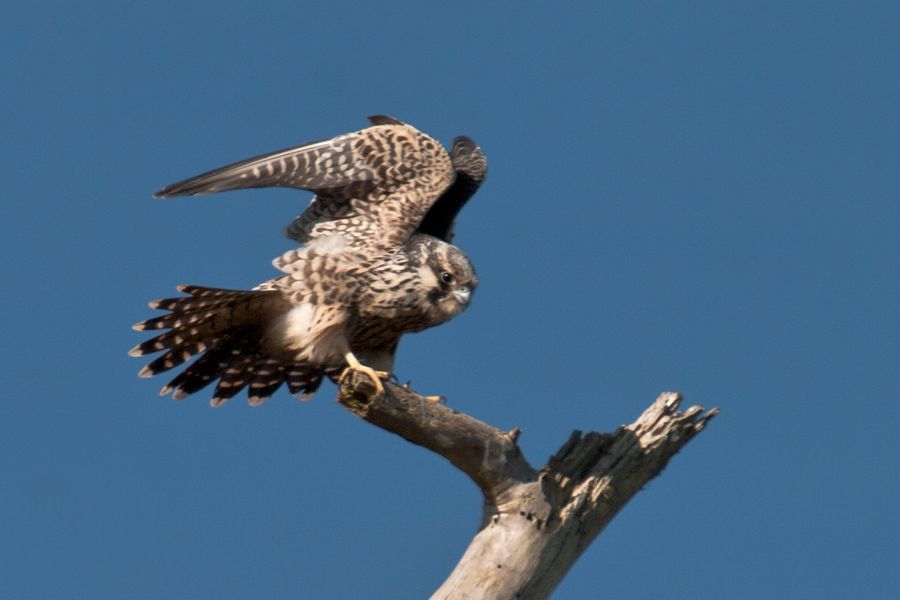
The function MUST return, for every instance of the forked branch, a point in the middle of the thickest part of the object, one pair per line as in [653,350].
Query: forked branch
[536,522]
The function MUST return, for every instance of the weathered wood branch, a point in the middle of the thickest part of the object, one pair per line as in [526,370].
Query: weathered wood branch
[536,522]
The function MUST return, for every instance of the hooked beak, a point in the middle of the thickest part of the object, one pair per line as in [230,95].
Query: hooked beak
[462,295]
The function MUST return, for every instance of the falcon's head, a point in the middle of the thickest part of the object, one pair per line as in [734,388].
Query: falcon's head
[448,279]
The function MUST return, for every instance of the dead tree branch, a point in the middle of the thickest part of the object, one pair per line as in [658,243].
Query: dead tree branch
[536,522]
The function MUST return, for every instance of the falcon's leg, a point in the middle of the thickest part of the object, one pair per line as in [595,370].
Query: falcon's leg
[355,365]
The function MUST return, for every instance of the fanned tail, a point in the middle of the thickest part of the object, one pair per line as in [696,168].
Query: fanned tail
[226,327]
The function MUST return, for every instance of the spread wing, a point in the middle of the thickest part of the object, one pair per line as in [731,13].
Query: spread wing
[470,165]
[374,184]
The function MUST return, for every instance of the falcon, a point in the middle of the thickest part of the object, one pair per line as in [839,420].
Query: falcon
[375,262]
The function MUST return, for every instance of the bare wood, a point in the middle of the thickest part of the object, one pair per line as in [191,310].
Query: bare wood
[536,522]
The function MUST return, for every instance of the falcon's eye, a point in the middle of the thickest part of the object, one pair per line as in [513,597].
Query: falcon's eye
[447,277]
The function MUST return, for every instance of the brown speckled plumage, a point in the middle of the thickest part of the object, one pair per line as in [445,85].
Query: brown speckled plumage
[375,264]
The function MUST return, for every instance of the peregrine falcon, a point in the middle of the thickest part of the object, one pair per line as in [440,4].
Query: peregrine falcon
[375,263]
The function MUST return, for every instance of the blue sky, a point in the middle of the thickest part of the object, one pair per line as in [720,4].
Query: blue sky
[699,197]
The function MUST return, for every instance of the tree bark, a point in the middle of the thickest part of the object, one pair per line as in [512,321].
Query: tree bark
[535,522]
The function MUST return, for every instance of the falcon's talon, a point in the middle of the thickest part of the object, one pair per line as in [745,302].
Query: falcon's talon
[353,364]
[437,398]
[375,376]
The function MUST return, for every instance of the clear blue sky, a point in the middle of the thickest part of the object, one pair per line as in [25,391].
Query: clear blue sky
[699,197]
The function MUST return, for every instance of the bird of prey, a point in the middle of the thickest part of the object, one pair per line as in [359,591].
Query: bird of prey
[375,262]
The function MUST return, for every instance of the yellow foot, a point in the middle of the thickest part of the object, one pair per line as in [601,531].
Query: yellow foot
[435,399]
[355,365]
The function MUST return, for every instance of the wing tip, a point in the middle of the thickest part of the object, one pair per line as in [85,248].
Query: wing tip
[464,141]
[195,186]
[384,120]
[180,188]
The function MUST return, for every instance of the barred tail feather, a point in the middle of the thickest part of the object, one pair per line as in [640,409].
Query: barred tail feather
[226,328]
